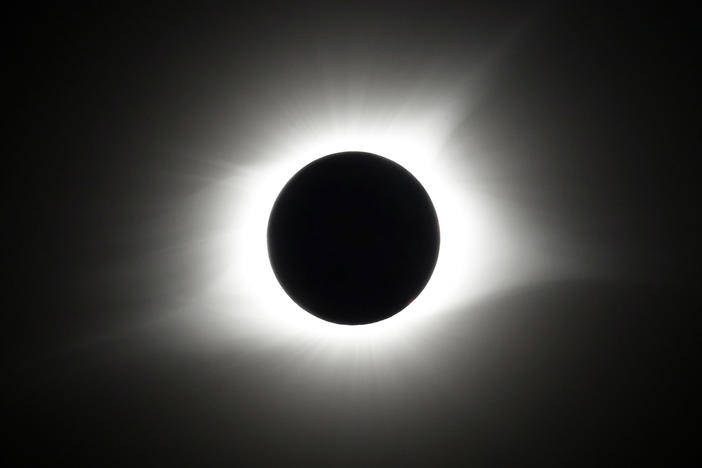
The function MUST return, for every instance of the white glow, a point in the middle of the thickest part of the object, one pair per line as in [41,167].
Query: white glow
[482,247]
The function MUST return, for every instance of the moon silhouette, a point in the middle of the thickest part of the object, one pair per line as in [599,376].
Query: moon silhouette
[353,238]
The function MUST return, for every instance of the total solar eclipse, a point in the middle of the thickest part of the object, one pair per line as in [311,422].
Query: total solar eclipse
[353,238]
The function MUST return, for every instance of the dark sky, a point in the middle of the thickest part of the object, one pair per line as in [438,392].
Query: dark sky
[589,115]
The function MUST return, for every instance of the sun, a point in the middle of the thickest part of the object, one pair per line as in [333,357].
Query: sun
[486,247]
[465,243]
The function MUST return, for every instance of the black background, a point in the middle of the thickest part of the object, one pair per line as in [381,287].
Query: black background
[593,109]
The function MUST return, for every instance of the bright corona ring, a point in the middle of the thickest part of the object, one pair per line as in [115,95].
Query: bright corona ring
[481,248]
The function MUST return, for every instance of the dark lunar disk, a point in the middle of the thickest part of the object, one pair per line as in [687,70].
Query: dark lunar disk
[353,238]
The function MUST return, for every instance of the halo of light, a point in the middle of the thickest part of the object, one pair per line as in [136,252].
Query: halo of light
[474,245]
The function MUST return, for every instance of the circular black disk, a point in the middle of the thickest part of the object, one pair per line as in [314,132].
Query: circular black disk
[353,238]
